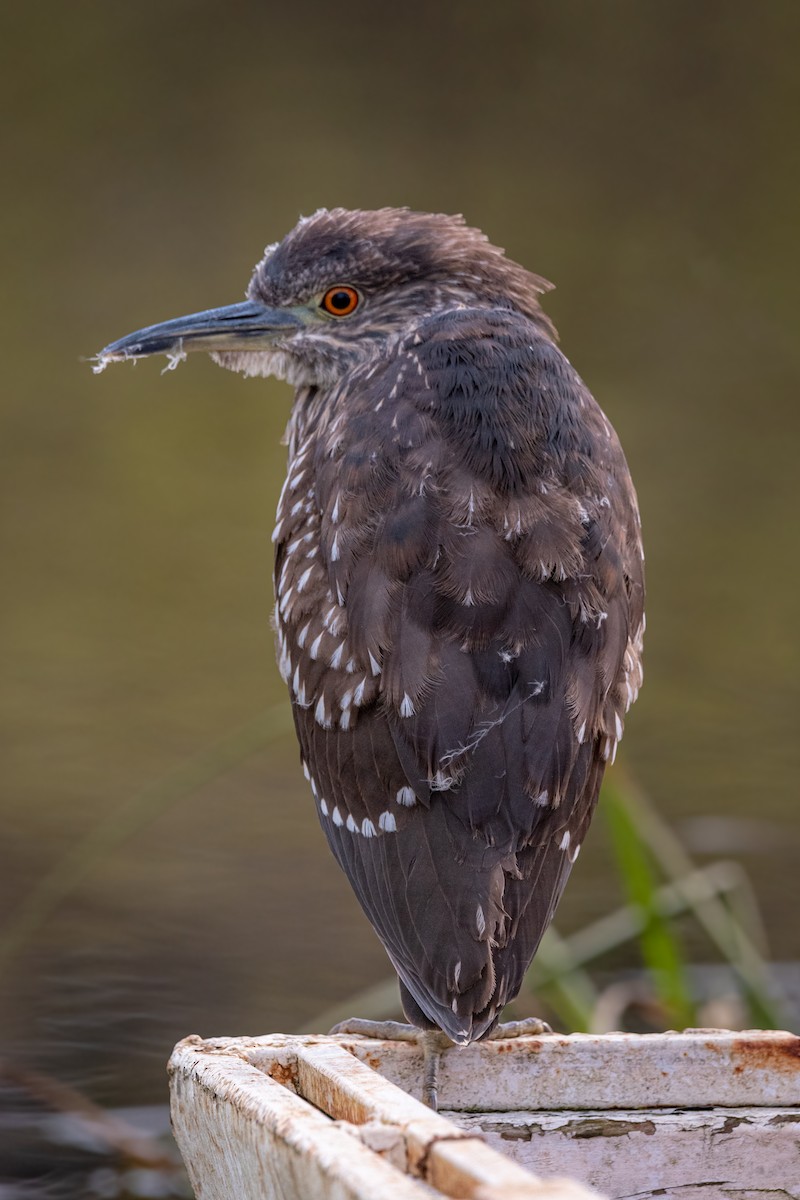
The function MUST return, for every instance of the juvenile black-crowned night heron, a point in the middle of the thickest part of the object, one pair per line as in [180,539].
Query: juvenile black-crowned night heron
[459,582]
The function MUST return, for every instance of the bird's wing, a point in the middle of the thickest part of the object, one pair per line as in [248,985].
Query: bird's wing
[459,586]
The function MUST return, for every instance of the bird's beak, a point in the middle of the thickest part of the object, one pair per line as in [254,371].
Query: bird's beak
[237,327]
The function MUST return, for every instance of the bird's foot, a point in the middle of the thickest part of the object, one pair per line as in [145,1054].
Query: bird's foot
[432,1042]
[529,1027]
[390,1031]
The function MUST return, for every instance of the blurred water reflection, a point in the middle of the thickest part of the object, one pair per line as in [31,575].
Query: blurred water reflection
[646,158]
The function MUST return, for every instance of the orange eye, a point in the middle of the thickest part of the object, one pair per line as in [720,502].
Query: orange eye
[340,301]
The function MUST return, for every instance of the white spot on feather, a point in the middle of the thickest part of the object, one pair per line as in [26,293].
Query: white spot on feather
[375,666]
[337,624]
[564,843]
[480,920]
[320,716]
[336,817]
[367,828]
[336,658]
[299,688]
[323,807]
[315,645]
[406,797]
[407,707]
[351,825]
[387,823]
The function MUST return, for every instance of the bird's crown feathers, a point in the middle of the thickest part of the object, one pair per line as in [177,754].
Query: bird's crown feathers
[389,246]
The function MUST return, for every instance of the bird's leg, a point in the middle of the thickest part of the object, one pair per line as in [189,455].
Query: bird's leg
[529,1027]
[432,1042]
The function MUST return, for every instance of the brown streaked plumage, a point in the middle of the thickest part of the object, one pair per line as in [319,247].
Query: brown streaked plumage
[459,585]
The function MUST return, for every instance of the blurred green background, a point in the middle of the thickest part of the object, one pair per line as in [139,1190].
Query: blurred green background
[645,157]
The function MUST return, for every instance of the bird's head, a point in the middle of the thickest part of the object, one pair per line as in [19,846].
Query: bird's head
[337,289]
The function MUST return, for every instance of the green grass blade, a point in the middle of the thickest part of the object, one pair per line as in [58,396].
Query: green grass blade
[711,912]
[661,950]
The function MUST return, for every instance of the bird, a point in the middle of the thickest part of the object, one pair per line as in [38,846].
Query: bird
[459,585]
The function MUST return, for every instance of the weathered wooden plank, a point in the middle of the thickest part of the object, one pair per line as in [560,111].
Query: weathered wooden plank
[249,1118]
[245,1136]
[694,1069]
[702,1115]
[745,1152]
[455,1164]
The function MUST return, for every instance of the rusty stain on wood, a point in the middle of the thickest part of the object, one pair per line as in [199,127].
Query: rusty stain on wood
[781,1053]
[284,1074]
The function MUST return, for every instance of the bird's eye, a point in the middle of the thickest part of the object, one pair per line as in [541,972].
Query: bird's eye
[340,301]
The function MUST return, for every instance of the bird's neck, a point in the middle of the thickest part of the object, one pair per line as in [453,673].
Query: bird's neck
[308,411]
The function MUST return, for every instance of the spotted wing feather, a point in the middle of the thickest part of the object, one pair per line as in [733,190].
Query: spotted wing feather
[459,580]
